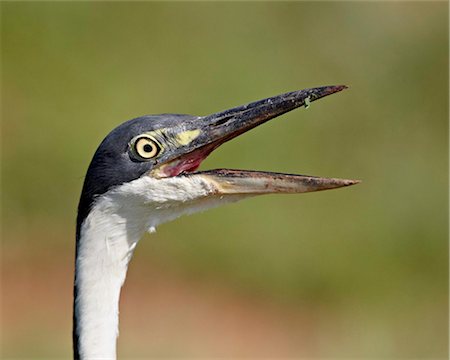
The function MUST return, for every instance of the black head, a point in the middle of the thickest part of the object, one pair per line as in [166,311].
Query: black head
[116,160]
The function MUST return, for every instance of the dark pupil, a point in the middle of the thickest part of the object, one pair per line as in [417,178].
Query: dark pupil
[148,148]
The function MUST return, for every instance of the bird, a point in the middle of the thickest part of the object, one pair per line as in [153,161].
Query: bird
[145,173]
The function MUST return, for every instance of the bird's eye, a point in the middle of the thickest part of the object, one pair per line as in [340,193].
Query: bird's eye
[146,147]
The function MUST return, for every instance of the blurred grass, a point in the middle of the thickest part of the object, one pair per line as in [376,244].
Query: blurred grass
[375,255]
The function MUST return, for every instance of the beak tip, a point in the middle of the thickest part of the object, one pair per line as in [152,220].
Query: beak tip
[336,88]
[351,182]
[320,92]
[319,183]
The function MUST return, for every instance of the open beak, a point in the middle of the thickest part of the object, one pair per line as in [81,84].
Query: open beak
[202,135]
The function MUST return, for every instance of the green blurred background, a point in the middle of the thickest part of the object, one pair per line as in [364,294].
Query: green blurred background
[358,272]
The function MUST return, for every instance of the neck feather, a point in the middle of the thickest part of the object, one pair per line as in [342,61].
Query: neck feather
[105,247]
[105,244]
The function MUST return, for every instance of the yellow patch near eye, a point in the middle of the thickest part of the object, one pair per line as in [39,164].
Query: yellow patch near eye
[187,137]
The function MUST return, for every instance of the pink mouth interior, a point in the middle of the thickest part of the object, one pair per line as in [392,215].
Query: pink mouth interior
[187,163]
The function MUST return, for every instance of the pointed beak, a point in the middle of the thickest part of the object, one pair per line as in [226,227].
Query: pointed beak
[202,135]
[240,182]
[223,126]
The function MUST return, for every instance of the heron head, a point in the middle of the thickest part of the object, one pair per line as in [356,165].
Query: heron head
[162,152]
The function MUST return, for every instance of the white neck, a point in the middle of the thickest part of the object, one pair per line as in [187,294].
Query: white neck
[108,237]
[104,251]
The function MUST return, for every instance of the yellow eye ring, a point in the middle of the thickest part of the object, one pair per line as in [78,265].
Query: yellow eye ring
[146,147]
